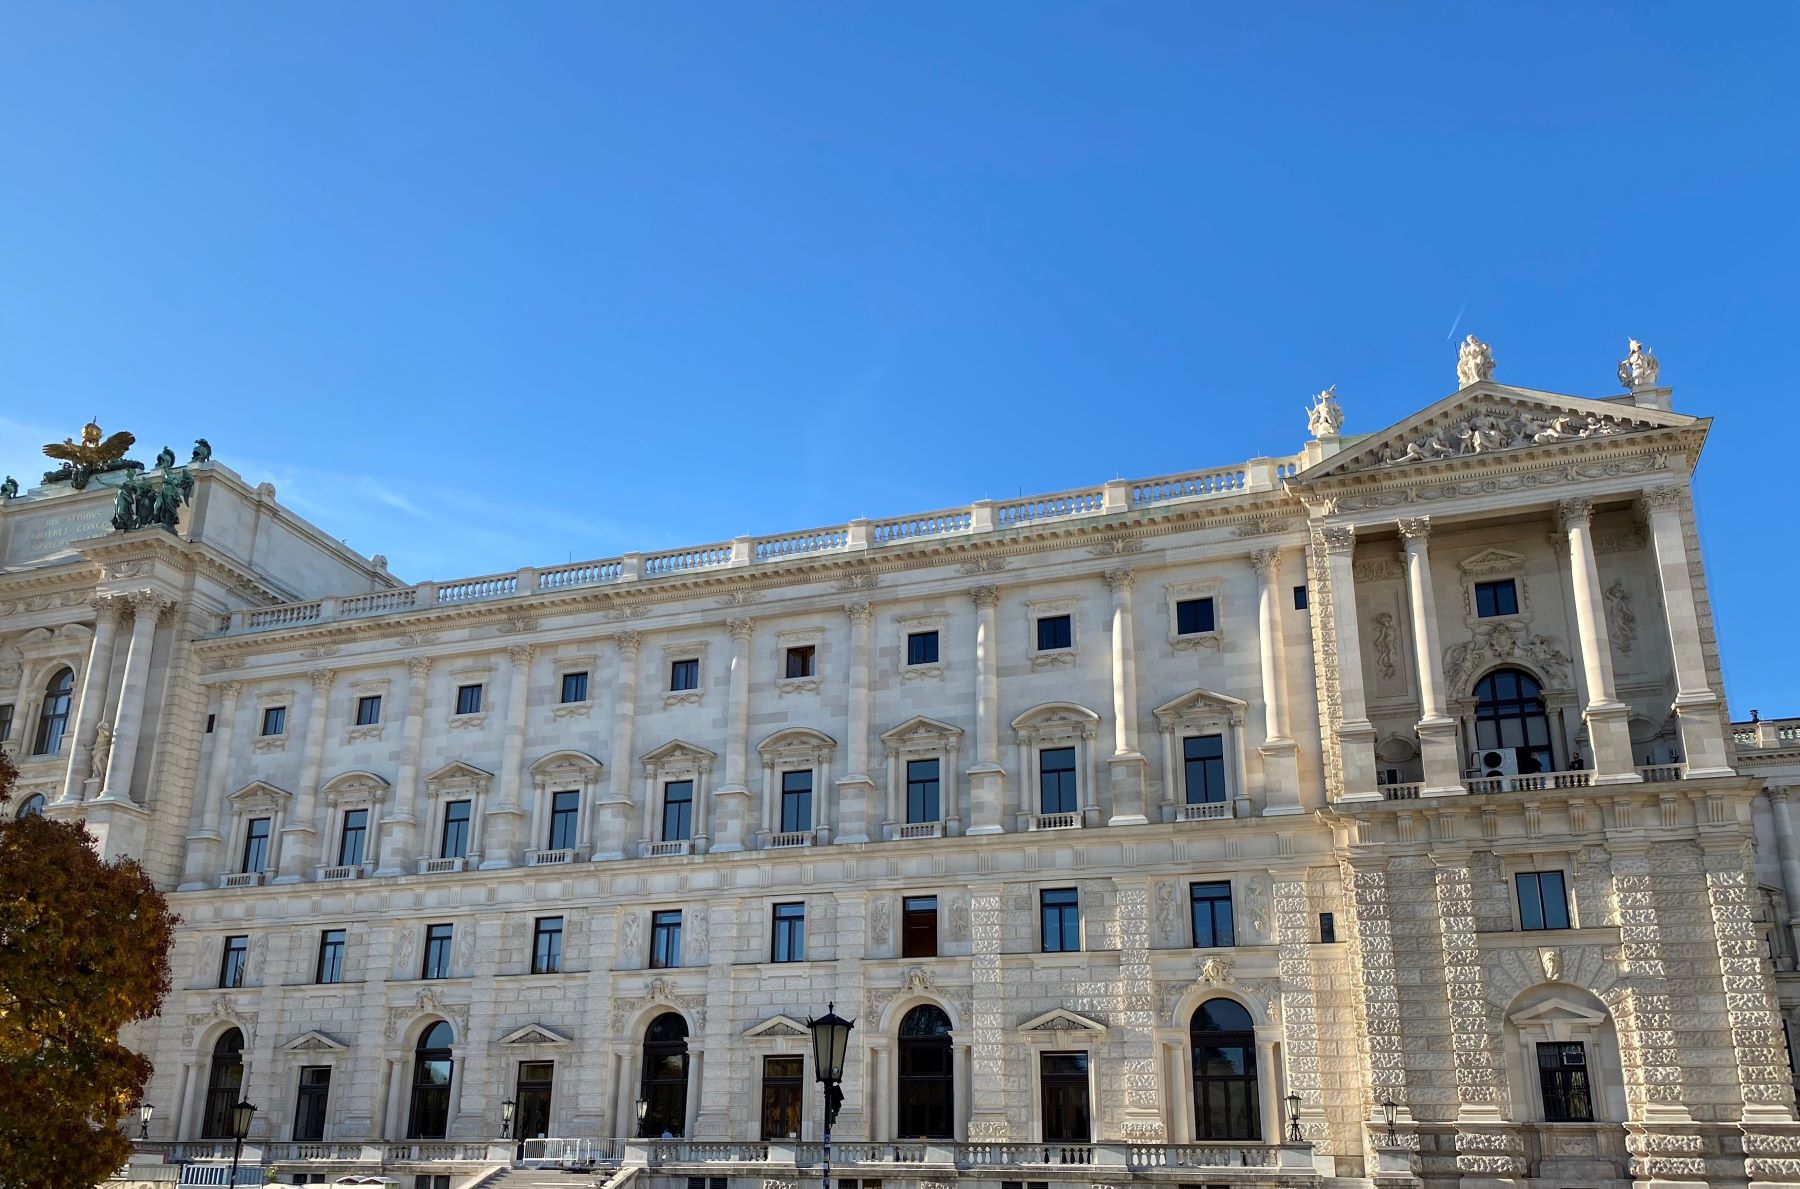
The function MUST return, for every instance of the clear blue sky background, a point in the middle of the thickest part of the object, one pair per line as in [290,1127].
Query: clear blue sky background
[480,285]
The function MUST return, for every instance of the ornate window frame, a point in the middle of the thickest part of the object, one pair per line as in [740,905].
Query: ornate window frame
[1515,863]
[342,793]
[799,638]
[906,625]
[42,652]
[1555,1015]
[266,701]
[561,772]
[455,781]
[376,687]
[687,650]
[1203,712]
[795,749]
[921,738]
[562,666]
[1036,609]
[1056,724]
[1492,565]
[676,760]
[257,799]
[477,676]
[1180,592]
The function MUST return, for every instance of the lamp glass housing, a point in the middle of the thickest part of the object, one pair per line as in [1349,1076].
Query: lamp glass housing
[643,1108]
[831,1041]
[506,1110]
[145,1110]
[1390,1111]
[241,1114]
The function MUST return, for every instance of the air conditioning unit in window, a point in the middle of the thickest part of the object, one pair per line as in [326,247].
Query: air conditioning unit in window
[1576,1055]
[1494,761]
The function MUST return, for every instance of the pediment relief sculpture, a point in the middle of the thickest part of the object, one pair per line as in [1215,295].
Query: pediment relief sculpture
[777,1026]
[1498,643]
[1503,429]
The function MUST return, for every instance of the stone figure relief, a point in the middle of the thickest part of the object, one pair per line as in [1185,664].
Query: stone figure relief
[1639,368]
[1474,362]
[959,918]
[403,949]
[259,954]
[1325,417]
[1621,619]
[630,933]
[879,923]
[697,935]
[1383,641]
[102,750]
[1256,906]
[1168,911]
[1486,432]
[1215,971]
[1503,642]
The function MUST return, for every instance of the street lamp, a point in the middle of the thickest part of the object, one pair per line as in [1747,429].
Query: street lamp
[145,1110]
[643,1109]
[241,1114]
[1390,1111]
[1293,1105]
[831,1039]
[506,1116]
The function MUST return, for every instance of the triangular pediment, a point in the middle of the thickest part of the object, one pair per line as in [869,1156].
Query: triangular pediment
[1489,419]
[457,772]
[921,728]
[314,1042]
[677,751]
[534,1034]
[1061,1019]
[1492,561]
[1557,1010]
[784,1027]
[1201,703]
[260,792]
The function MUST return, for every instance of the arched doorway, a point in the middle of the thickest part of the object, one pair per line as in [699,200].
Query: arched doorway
[927,1091]
[53,722]
[1509,717]
[1226,1105]
[224,1085]
[433,1064]
[665,1083]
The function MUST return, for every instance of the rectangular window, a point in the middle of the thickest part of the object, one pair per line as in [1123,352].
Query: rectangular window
[1299,598]
[921,648]
[437,951]
[1562,1072]
[684,675]
[665,940]
[1193,616]
[781,1090]
[1327,928]
[1064,1077]
[1496,598]
[678,811]
[800,660]
[274,720]
[6,717]
[309,1106]
[234,961]
[1056,780]
[790,933]
[1543,900]
[546,946]
[456,830]
[1203,758]
[331,956]
[368,710]
[468,699]
[922,804]
[256,844]
[1062,920]
[212,720]
[1055,632]
[355,837]
[796,801]
[919,927]
[1211,907]
[565,813]
[574,687]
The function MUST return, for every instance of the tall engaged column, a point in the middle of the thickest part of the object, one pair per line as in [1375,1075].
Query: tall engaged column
[733,797]
[1697,709]
[1355,733]
[205,846]
[301,850]
[1438,744]
[987,779]
[1608,731]
[616,811]
[1126,764]
[94,684]
[507,815]
[857,810]
[1789,857]
[1280,759]
[147,609]
[399,828]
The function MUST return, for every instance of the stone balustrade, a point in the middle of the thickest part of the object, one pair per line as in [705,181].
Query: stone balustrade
[1119,497]
[1767,734]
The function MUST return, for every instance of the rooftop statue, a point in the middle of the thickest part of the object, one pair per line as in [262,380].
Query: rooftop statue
[1639,368]
[165,458]
[1325,417]
[202,451]
[1474,362]
[141,503]
[89,457]
[9,490]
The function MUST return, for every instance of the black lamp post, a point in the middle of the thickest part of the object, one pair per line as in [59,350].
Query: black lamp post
[831,1040]
[1293,1105]
[145,1110]
[506,1117]
[643,1109]
[241,1114]
[1390,1111]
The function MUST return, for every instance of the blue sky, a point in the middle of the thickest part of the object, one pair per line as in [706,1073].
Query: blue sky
[485,285]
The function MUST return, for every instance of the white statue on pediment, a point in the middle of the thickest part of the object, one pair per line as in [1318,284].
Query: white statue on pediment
[1474,362]
[1639,368]
[1325,417]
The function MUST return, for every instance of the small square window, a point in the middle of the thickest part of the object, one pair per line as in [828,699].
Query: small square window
[1300,598]
[1543,900]
[274,720]
[921,648]
[574,687]
[1194,616]
[1055,632]
[368,710]
[684,675]
[468,699]
[800,660]
[1496,598]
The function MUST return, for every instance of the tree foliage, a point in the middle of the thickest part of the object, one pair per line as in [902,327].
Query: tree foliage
[84,950]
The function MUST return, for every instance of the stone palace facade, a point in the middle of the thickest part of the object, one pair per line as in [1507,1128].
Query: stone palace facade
[1394,776]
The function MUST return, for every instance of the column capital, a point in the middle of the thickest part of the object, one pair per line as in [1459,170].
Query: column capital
[1778,793]
[1416,528]
[858,612]
[1664,498]
[228,692]
[149,602]
[321,678]
[1120,578]
[520,654]
[418,666]
[1339,538]
[1266,562]
[985,596]
[740,627]
[628,641]
[108,606]
[1574,513]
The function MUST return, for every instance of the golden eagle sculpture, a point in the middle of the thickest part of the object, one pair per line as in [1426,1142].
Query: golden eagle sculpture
[89,457]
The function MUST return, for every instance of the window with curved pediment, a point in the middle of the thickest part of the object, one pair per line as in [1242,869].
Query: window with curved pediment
[53,718]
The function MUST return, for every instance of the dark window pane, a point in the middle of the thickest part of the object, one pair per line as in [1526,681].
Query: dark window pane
[1194,615]
[546,946]
[565,814]
[790,933]
[1056,780]
[575,687]
[800,661]
[456,830]
[926,1097]
[781,1097]
[1563,1077]
[468,699]
[256,844]
[274,720]
[1055,631]
[796,801]
[309,1105]
[355,837]
[1061,909]
[1496,598]
[1203,761]
[331,956]
[919,927]
[437,952]
[664,1087]
[1064,1079]
[1509,717]
[1226,1104]
[665,940]
[1299,598]
[684,675]
[921,648]
[368,710]
[922,804]
[678,811]
[233,961]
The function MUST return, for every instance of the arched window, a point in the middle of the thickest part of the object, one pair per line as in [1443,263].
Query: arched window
[927,1076]
[1225,1099]
[433,1064]
[224,1086]
[665,1084]
[32,806]
[55,717]
[1509,717]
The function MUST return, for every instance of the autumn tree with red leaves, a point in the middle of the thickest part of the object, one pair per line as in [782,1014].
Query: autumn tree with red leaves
[84,950]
